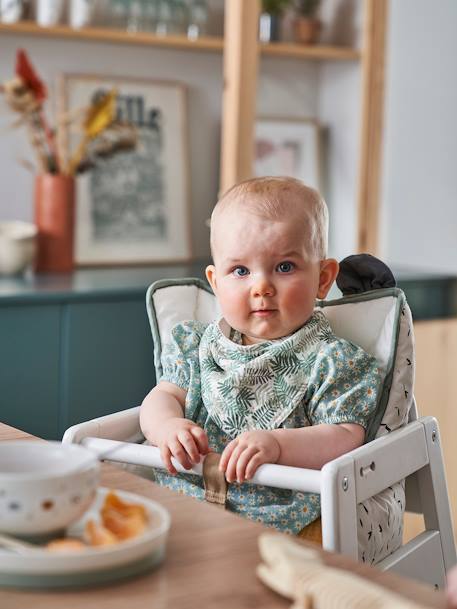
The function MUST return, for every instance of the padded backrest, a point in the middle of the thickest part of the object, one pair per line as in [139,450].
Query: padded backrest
[380,322]
[371,320]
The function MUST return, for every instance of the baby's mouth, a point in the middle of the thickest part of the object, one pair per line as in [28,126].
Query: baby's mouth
[264,312]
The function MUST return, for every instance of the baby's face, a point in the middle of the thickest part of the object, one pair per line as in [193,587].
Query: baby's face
[263,278]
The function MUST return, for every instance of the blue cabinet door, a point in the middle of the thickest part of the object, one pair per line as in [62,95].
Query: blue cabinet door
[107,358]
[29,368]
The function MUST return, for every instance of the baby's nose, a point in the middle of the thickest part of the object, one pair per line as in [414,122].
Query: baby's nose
[263,287]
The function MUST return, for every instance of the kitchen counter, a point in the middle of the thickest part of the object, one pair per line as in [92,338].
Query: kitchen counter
[430,295]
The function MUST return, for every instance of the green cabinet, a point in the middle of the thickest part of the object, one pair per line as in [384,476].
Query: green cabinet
[29,368]
[74,347]
[107,358]
[78,346]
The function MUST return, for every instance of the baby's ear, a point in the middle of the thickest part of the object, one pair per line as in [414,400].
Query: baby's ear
[329,271]
[210,273]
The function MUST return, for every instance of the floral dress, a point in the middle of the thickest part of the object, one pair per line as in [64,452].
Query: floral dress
[307,378]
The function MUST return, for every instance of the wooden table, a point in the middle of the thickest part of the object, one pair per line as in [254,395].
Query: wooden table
[210,562]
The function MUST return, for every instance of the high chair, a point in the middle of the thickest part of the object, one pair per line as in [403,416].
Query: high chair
[364,493]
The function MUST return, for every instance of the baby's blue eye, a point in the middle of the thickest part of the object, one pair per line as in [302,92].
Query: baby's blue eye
[285,267]
[240,271]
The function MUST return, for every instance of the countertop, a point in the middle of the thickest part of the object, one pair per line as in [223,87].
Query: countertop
[430,295]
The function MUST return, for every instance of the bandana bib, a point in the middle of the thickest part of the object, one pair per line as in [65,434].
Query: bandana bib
[257,386]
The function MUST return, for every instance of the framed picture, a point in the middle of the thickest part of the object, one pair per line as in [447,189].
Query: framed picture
[133,208]
[288,147]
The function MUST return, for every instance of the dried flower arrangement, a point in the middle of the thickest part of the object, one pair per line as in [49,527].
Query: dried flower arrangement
[101,134]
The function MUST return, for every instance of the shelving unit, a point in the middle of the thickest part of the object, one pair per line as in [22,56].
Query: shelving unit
[241,68]
[204,43]
[241,52]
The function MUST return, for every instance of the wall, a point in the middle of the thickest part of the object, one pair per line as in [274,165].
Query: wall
[420,147]
[339,110]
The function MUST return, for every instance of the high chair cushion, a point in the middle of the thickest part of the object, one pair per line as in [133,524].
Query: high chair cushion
[379,321]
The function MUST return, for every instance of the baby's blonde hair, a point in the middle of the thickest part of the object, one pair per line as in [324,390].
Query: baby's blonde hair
[278,198]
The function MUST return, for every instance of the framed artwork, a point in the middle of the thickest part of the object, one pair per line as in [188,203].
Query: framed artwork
[288,147]
[133,208]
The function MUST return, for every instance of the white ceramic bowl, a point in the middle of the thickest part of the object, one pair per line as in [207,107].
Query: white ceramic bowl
[17,246]
[44,486]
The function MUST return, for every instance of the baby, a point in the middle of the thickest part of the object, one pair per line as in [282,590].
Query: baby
[269,382]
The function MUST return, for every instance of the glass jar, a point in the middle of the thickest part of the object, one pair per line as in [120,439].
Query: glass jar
[11,10]
[135,16]
[164,21]
[118,14]
[149,15]
[81,13]
[180,16]
[198,19]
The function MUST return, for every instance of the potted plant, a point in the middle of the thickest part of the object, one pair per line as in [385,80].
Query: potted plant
[306,24]
[272,11]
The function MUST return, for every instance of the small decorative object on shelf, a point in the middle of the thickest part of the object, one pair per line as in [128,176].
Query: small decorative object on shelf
[307,26]
[49,12]
[198,19]
[135,16]
[149,17]
[11,10]
[164,23]
[180,16]
[102,136]
[81,12]
[118,14]
[269,22]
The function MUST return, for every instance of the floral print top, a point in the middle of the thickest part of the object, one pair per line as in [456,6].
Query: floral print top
[343,385]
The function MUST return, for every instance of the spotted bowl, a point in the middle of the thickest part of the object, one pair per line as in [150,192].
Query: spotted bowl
[44,486]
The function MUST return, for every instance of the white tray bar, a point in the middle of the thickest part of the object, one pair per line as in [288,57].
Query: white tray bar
[269,474]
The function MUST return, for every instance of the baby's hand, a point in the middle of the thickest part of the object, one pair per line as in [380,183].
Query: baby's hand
[243,455]
[182,439]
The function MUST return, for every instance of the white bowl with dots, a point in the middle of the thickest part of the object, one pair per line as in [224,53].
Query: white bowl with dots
[44,486]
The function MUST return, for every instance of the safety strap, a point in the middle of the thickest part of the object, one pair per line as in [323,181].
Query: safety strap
[215,483]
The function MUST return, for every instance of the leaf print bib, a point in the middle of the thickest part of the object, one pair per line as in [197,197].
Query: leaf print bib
[247,387]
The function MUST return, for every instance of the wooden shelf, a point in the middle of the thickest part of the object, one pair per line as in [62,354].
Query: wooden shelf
[313,51]
[204,43]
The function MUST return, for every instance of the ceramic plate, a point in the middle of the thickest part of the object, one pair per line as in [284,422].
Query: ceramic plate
[94,565]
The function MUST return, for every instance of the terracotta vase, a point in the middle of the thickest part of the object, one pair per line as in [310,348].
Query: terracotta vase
[55,220]
[307,30]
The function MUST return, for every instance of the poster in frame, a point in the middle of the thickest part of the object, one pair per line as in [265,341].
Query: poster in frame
[133,208]
[288,147]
